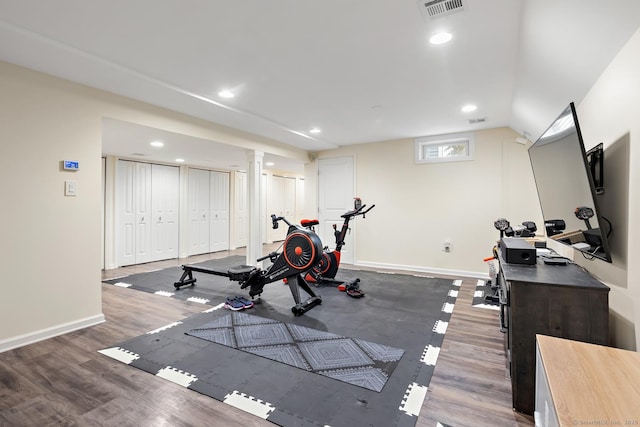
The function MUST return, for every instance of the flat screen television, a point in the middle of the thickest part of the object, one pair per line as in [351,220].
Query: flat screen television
[566,188]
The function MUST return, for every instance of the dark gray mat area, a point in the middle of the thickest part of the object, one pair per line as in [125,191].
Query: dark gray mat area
[358,362]
[208,289]
[402,311]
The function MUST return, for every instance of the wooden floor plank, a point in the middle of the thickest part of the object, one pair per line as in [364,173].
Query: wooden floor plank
[65,381]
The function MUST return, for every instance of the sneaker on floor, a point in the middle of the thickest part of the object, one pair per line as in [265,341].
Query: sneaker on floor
[247,303]
[234,304]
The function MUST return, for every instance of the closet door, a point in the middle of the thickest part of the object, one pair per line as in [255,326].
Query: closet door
[143,212]
[300,198]
[219,211]
[125,213]
[267,225]
[276,207]
[242,211]
[198,201]
[165,200]
[289,199]
[133,238]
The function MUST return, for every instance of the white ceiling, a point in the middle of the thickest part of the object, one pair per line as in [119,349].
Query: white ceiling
[360,70]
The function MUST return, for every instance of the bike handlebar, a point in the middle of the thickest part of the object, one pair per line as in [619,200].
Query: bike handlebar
[357,212]
[275,219]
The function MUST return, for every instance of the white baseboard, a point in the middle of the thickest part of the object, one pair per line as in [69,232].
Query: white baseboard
[431,270]
[54,331]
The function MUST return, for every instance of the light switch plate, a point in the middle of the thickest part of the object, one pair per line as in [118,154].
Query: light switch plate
[71,188]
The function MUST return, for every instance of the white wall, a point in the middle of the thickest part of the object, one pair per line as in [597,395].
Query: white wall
[419,206]
[51,250]
[610,113]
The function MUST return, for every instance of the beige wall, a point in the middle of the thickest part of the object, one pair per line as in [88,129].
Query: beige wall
[51,244]
[610,113]
[419,206]
[50,258]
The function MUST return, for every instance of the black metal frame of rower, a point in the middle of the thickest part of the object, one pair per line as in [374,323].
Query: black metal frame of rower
[301,251]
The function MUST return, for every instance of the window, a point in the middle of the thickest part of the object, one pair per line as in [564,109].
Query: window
[444,148]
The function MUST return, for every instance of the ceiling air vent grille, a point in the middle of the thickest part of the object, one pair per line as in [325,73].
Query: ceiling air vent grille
[438,8]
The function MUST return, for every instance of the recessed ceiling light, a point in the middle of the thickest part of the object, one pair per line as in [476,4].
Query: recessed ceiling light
[156,144]
[269,164]
[226,94]
[469,108]
[180,160]
[314,130]
[440,38]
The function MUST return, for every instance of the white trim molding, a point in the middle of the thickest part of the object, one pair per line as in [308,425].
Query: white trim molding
[53,331]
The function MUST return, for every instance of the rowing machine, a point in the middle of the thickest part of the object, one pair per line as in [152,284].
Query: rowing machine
[301,250]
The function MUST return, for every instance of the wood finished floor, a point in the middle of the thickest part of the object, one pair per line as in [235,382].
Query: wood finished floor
[64,381]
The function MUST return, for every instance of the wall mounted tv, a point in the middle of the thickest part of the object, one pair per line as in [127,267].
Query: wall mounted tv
[566,188]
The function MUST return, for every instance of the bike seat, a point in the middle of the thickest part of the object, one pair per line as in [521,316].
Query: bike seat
[309,222]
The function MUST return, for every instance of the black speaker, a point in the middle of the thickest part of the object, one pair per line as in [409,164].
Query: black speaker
[517,251]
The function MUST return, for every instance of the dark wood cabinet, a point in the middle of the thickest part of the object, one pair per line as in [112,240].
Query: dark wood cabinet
[562,301]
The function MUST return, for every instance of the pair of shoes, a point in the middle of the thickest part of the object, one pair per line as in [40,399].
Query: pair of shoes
[236,303]
[353,289]
[355,293]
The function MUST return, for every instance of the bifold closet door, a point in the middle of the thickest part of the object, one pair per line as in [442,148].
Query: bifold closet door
[282,202]
[133,231]
[289,199]
[219,211]
[198,202]
[242,208]
[165,202]
[275,206]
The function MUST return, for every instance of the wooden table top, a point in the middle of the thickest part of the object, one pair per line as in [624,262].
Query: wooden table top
[591,384]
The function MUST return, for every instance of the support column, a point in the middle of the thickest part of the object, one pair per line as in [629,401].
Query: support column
[254,172]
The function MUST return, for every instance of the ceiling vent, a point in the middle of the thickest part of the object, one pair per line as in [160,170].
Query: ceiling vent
[437,8]
[479,120]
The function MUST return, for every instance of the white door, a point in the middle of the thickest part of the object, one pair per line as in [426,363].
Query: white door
[289,199]
[125,213]
[336,186]
[242,211]
[102,213]
[219,211]
[300,199]
[276,207]
[142,195]
[133,213]
[165,200]
[265,232]
[198,203]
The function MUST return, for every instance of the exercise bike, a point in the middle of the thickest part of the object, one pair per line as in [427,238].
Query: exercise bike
[301,251]
[325,271]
